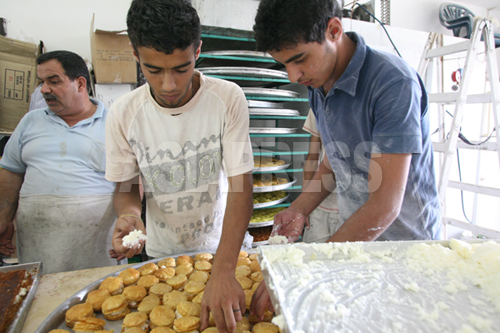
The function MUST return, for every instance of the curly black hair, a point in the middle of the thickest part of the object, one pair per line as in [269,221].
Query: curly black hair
[164,25]
[74,66]
[283,24]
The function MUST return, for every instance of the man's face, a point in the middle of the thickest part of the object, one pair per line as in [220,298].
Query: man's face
[170,76]
[310,64]
[60,93]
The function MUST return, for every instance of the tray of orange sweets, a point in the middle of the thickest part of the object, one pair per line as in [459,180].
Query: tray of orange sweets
[160,295]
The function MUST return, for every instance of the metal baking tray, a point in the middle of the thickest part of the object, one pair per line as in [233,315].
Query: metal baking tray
[271,130]
[35,269]
[240,53]
[262,243]
[273,112]
[370,287]
[261,224]
[267,204]
[274,187]
[272,168]
[264,104]
[264,92]
[244,71]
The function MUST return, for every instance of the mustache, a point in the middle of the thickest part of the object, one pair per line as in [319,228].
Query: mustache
[50,96]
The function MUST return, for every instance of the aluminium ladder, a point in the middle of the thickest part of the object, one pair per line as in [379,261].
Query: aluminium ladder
[481,41]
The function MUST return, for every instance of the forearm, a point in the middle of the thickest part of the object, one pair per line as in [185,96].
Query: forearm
[127,198]
[10,184]
[239,209]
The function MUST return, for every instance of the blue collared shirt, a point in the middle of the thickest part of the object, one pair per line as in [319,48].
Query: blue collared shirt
[379,105]
[58,159]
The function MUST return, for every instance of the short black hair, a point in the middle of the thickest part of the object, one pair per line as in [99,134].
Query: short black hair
[283,24]
[74,66]
[163,25]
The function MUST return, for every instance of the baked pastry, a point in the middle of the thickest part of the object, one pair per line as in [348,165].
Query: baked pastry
[264,327]
[134,295]
[177,282]
[108,331]
[186,308]
[257,277]
[242,325]
[147,281]
[245,282]
[255,266]
[133,330]
[198,298]
[255,286]
[199,276]
[184,259]
[160,289]
[164,273]
[147,269]
[193,288]
[115,307]
[89,324]
[243,261]
[243,270]
[162,330]
[97,297]
[167,262]
[253,256]
[210,330]
[148,303]
[113,284]
[248,297]
[135,319]
[184,269]
[14,285]
[203,265]
[161,316]
[129,276]
[78,311]
[243,254]
[57,330]
[268,316]
[187,324]
[203,256]
[173,298]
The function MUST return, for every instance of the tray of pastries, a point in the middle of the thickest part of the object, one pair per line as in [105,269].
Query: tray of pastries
[271,130]
[264,217]
[267,92]
[160,295]
[267,163]
[255,111]
[266,182]
[267,199]
[18,284]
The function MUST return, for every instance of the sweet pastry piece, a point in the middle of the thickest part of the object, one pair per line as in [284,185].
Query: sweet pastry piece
[243,270]
[173,298]
[134,295]
[255,286]
[265,327]
[129,276]
[14,286]
[210,330]
[59,331]
[162,330]
[199,276]
[184,259]
[167,262]
[149,303]
[203,256]
[113,284]
[89,324]
[108,331]
[243,254]
[148,269]
[187,324]
[257,277]
[243,261]
[245,282]
[253,256]
[164,273]
[198,298]
[115,307]
[193,288]
[186,308]
[255,266]
[268,316]
[184,269]
[135,319]
[242,325]
[147,281]
[177,282]
[97,297]
[78,311]
[133,330]
[160,289]
[203,265]
[162,316]
[248,297]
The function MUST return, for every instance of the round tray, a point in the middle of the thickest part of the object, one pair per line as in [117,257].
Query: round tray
[255,244]
[264,104]
[272,130]
[244,71]
[265,92]
[270,203]
[241,53]
[272,112]
[261,224]
[272,168]
[274,187]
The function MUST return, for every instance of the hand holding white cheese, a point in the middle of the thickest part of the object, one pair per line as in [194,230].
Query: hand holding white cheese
[133,238]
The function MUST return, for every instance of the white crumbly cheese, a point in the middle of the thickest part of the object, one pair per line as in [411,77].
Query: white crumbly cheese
[279,321]
[277,240]
[133,238]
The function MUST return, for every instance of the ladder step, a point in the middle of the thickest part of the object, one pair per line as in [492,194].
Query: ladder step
[495,192]
[475,229]
[448,49]
[487,146]
[451,98]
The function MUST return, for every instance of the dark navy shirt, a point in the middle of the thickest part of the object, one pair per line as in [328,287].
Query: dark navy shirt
[379,105]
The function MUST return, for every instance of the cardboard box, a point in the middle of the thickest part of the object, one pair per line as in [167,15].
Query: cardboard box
[108,93]
[112,57]
[17,80]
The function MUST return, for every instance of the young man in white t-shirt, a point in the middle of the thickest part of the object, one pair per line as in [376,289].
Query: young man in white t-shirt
[186,136]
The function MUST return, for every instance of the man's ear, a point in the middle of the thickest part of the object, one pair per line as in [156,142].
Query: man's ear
[198,50]
[334,29]
[81,83]
[136,55]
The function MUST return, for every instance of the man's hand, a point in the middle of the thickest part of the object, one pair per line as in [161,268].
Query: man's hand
[261,301]
[289,223]
[6,246]
[118,256]
[123,227]
[225,298]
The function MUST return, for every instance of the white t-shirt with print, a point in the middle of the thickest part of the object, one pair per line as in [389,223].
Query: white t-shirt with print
[184,156]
